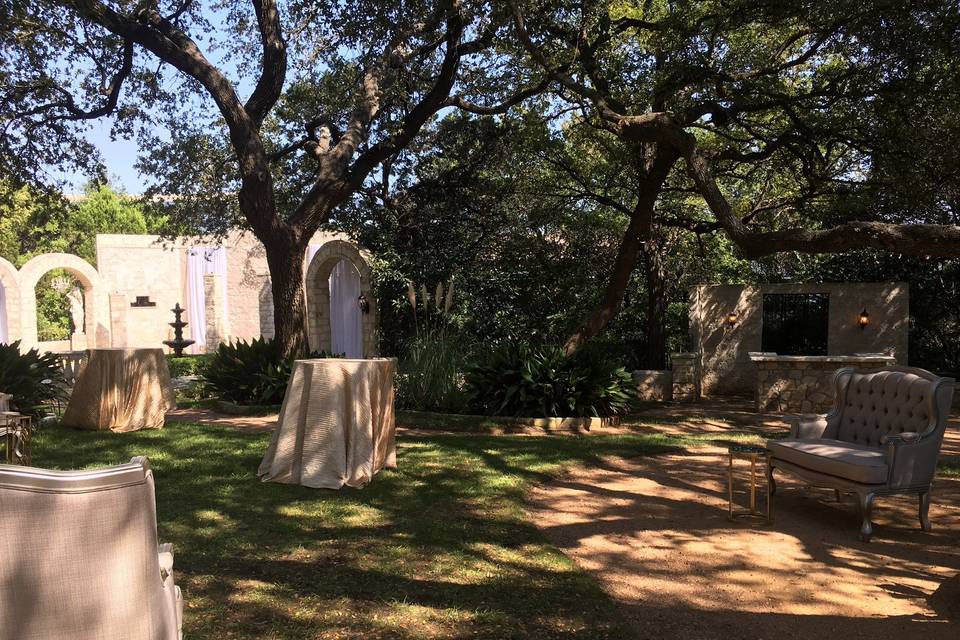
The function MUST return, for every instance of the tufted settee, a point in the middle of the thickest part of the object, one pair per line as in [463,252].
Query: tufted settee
[882,436]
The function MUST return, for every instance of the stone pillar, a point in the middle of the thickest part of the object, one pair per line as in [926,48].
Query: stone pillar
[218,327]
[686,378]
[118,320]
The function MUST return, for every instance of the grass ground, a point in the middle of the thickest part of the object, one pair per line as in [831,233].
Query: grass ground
[438,548]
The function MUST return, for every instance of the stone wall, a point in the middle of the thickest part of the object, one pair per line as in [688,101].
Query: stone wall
[803,384]
[685,378]
[137,265]
[725,365]
[653,385]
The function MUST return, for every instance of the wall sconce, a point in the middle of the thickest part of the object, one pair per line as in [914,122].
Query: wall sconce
[864,319]
[363,303]
[732,319]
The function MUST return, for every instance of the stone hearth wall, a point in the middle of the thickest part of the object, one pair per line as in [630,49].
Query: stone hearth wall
[725,365]
[802,385]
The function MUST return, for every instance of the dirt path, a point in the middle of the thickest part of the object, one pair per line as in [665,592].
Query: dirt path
[654,531]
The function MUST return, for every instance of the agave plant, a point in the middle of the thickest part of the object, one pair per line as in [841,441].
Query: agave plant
[540,381]
[34,379]
[250,372]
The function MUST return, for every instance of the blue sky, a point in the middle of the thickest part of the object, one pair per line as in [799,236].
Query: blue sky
[119,156]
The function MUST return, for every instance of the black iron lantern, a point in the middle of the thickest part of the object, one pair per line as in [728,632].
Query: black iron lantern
[864,319]
[363,303]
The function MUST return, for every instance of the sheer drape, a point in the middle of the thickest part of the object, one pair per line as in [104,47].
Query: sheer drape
[4,330]
[346,328]
[200,262]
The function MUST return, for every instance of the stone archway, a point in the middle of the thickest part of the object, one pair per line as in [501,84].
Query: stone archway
[95,297]
[318,295]
[10,281]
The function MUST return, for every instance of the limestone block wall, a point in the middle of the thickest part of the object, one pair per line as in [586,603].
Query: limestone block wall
[138,265]
[141,265]
[725,365]
[653,385]
[803,384]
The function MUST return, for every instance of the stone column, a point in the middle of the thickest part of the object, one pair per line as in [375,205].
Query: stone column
[118,320]
[686,378]
[218,327]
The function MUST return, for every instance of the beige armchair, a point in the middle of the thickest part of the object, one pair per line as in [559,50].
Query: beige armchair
[79,557]
[882,437]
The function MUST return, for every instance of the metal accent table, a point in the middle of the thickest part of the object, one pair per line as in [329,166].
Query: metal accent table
[16,431]
[758,458]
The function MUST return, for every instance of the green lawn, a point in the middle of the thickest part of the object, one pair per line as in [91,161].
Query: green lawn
[438,548]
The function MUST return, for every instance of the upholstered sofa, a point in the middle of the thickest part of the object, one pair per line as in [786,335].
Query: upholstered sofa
[79,557]
[882,437]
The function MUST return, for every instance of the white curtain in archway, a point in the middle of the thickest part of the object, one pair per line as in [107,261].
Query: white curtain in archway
[4,328]
[346,327]
[200,262]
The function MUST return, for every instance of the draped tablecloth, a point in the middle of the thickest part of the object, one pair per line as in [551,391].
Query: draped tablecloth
[336,424]
[121,390]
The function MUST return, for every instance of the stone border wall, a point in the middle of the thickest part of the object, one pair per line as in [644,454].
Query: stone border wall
[803,384]
[654,385]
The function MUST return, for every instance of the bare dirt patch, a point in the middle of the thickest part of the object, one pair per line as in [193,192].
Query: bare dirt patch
[655,532]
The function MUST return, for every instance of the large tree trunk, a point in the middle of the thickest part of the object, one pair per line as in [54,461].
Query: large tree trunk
[285,259]
[637,232]
[655,356]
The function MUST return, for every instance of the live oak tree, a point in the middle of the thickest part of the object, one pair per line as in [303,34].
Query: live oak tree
[791,122]
[333,90]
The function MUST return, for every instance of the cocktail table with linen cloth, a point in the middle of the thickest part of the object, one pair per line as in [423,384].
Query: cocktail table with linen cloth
[336,424]
[121,390]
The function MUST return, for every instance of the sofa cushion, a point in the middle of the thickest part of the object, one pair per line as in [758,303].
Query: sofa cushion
[848,460]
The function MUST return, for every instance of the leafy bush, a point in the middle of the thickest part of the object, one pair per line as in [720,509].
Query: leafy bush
[250,373]
[431,373]
[188,365]
[539,381]
[33,379]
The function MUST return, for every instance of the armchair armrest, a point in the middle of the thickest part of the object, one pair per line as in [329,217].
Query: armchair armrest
[165,557]
[171,590]
[911,457]
[808,426]
[907,437]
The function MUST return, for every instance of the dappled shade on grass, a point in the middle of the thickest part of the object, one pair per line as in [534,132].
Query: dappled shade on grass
[438,548]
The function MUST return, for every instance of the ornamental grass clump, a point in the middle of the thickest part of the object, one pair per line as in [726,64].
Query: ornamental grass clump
[431,369]
[540,381]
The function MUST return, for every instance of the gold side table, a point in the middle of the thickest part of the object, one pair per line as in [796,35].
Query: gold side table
[758,483]
[16,431]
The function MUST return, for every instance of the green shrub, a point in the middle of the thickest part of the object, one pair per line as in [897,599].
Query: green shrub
[539,381]
[249,372]
[188,365]
[431,373]
[33,379]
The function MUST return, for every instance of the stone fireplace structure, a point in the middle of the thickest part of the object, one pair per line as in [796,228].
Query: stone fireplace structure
[816,328]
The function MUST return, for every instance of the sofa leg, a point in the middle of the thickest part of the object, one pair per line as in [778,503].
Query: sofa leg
[866,511]
[925,510]
[838,495]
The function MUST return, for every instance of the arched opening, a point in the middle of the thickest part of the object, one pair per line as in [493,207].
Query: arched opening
[61,308]
[89,307]
[337,275]
[9,303]
[346,323]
